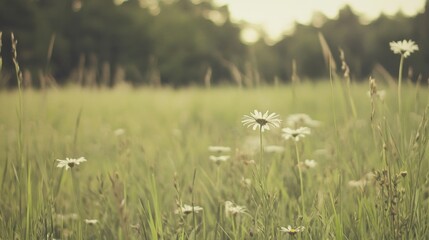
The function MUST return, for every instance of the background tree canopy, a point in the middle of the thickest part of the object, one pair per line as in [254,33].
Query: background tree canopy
[179,43]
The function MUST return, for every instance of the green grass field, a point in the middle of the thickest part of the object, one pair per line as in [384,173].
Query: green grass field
[147,154]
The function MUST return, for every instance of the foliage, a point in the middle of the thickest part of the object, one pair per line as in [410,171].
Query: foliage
[147,154]
[175,42]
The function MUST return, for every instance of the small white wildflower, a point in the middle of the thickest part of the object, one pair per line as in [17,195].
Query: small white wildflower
[186,209]
[70,162]
[263,121]
[404,47]
[219,149]
[119,132]
[357,184]
[249,162]
[274,149]
[292,230]
[310,163]
[233,209]
[50,236]
[323,152]
[250,144]
[65,217]
[246,181]
[91,221]
[295,134]
[300,119]
[218,159]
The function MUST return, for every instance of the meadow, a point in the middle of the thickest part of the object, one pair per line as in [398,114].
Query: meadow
[362,172]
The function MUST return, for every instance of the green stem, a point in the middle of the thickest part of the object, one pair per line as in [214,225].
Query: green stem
[401,63]
[300,178]
[261,153]
[75,182]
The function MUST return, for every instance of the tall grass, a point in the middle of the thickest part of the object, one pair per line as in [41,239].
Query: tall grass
[132,182]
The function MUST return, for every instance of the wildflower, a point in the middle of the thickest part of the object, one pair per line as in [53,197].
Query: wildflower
[274,149]
[250,144]
[262,121]
[404,48]
[295,134]
[246,181]
[233,209]
[186,209]
[299,119]
[91,221]
[218,159]
[361,183]
[292,230]
[310,163]
[70,162]
[358,184]
[119,132]
[249,162]
[66,217]
[323,152]
[219,149]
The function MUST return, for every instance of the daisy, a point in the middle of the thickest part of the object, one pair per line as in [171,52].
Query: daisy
[299,119]
[292,231]
[274,149]
[361,183]
[358,183]
[295,134]
[91,221]
[119,132]
[404,48]
[246,182]
[186,209]
[233,209]
[263,121]
[70,162]
[218,159]
[219,149]
[310,163]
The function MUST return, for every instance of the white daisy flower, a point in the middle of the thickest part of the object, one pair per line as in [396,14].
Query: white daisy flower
[300,119]
[246,182]
[186,209]
[66,217]
[263,121]
[70,162]
[219,149]
[404,47]
[295,134]
[358,184]
[310,163]
[292,230]
[233,209]
[274,149]
[119,132]
[218,159]
[361,183]
[91,221]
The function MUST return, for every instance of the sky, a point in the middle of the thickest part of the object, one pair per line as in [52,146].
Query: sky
[276,17]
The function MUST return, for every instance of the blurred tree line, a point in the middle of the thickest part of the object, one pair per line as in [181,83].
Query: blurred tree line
[188,42]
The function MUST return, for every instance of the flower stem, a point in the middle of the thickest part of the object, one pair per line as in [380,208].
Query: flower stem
[300,178]
[261,153]
[401,63]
